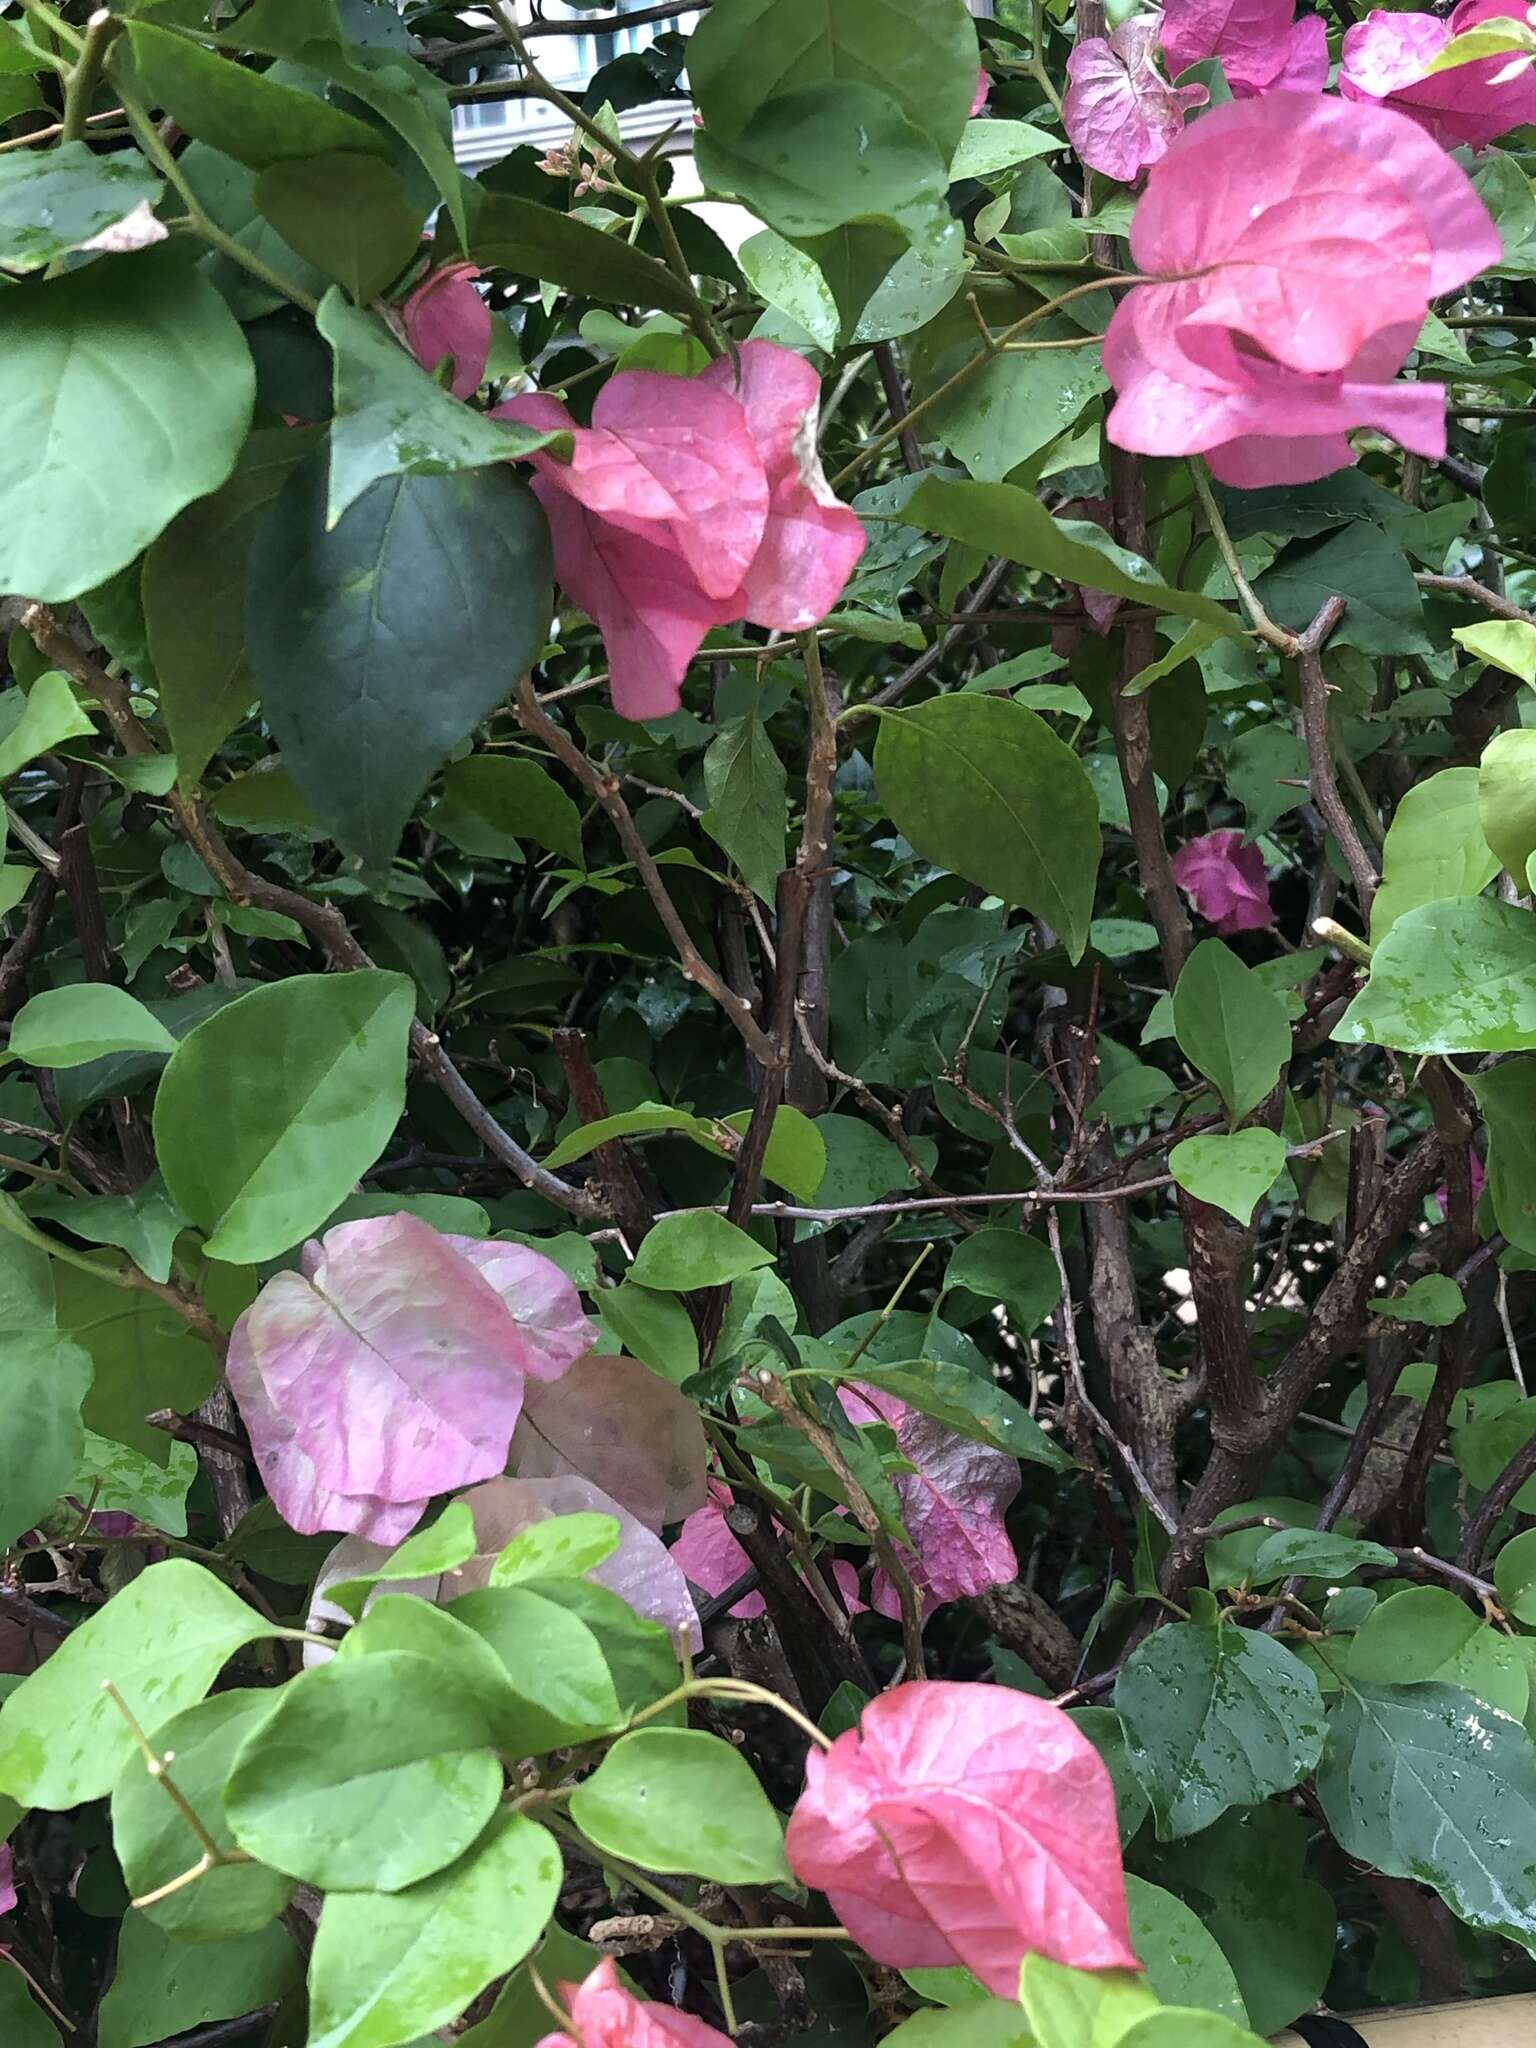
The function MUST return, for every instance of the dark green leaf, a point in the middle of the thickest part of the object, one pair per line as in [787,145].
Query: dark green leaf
[1185,1965]
[163,1987]
[65,198]
[1506,1095]
[964,1402]
[535,241]
[47,1376]
[745,784]
[348,215]
[1007,1267]
[1231,1027]
[1385,615]
[492,801]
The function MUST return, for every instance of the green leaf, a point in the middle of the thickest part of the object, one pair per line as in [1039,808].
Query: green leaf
[272,1108]
[507,233]
[441,1547]
[145,1223]
[67,1027]
[412,101]
[1007,1267]
[654,1327]
[253,118]
[490,802]
[394,419]
[1485,1445]
[1509,488]
[680,1801]
[144,1355]
[1458,976]
[747,792]
[984,788]
[1069,2008]
[161,1641]
[796,1159]
[553,1663]
[922,53]
[1179,2027]
[1192,641]
[22,2021]
[366,692]
[386,1968]
[1423,1782]
[1315,1554]
[154,1843]
[993,145]
[47,1377]
[48,714]
[58,200]
[987,2023]
[966,1403]
[1434,848]
[348,215]
[520,2018]
[1011,408]
[1216,1717]
[1230,1027]
[1433,1299]
[1506,798]
[641,1121]
[563,1547]
[1004,519]
[696,1249]
[194,592]
[1427,1634]
[1360,562]
[1232,1170]
[1514,1576]
[87,481]
[369,1771]
[1185,1965]
[122,1480]
[163,1987]
[1510,644]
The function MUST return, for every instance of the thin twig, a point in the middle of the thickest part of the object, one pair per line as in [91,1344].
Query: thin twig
[1322,779]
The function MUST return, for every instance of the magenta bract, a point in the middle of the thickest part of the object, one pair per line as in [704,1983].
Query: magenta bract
[966,1824]
[1120,111]
[446,316]
[1225,880]
[1386,58]
[1298,242]
[392,1368]
[709,1555]
[692,502]
[608,2016]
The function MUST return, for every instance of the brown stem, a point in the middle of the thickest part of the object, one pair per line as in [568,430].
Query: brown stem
[1521,1467]
[820,1657]
[895,390]
[1322,780]
[634,1196]
[77,877]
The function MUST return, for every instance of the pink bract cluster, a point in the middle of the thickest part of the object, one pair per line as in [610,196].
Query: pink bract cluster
[608,2016]
[392,1367]
[1386,58]
[691,503]
[1225,881]
[1293,245]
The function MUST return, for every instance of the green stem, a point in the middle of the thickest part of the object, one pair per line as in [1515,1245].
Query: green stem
[83,78]
[1037,69]
[52,20]
[1260,620]
[741,1690]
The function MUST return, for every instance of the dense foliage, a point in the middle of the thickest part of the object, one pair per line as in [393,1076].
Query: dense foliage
[769,1194]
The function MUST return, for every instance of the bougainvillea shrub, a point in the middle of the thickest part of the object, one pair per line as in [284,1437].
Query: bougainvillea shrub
[767,1199]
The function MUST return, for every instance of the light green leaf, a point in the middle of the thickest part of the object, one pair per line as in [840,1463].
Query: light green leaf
[57,200]
[23,2022]
[47,1377]
[642,1121]
[796,1159]
[1192,641]
[121,1480]
[349,215]
[1003,519]
[490,802]
[394,419]
[163,1987]
[1510,644]
[922,53]
[154,1843]
[1484,1445]
[986,2023]
[562,1547]
[68,1027]
[1425,1782]
[1012,407]
[696,1249]
[1315,1554]
[1514,1576]
[161,1641]
[1433,1299]
[271,1109]
[87,481]
[1070,2008]
[1458,976]
[1216,1717]
[365,692]
[1230,1027]
[441,1547]
[654,1327]
[386,1968]
[1434,848]
[1232,1170]
[145,1223]
[1179,2027]
[747,791]
[1427,1634]
[48,714]
[369,1771]
[681,1801]
[990,146]
[984,788]
[1506,798]
[1185,1965]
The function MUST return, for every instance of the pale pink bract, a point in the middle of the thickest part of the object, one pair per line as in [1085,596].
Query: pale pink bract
[692,502]
[1225,880]
[1250,37]
[1298,242]
[446,316]
[608,2016]
[7,1880]
[966,1824]
[392,1368]
[1385,58]
[1120,112]
[983,87]
[711,1558]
